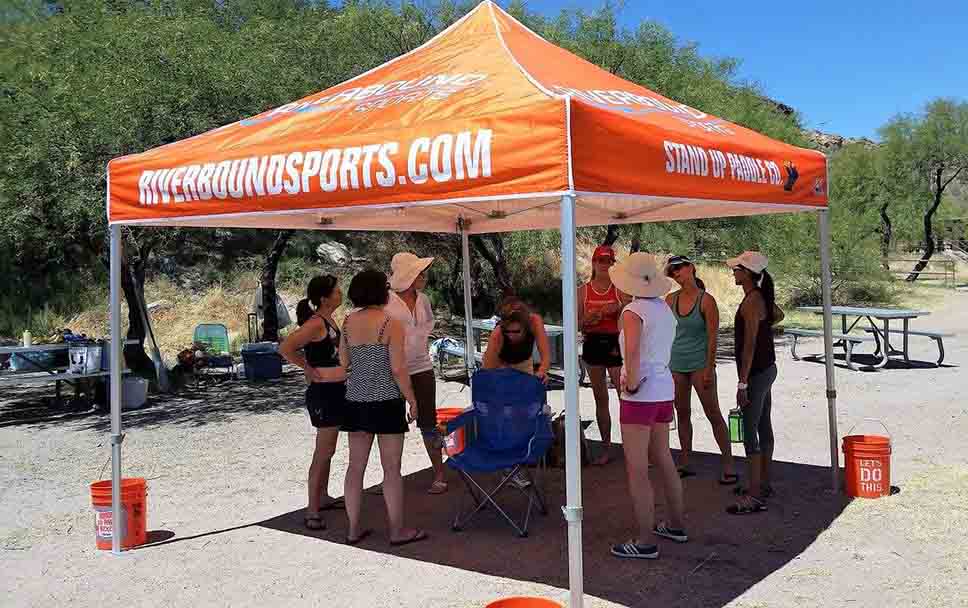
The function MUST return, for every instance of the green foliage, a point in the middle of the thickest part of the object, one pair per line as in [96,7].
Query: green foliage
[96,79]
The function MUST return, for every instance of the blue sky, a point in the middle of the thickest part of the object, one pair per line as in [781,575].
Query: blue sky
[847,66]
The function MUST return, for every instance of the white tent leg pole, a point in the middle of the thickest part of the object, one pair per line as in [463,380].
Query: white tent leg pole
[828,347]
[569,307]
[470,352]
[117,341]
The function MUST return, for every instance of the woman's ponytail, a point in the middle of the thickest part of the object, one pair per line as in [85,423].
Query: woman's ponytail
[768,291]
[303,311]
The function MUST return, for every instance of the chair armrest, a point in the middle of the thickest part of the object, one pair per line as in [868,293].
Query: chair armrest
[461,421]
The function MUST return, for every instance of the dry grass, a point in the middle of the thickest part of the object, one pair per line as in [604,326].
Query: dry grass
[174,323]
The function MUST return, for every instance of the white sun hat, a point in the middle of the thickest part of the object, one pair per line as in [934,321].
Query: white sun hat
[753,261]
[405,268]
[640,275]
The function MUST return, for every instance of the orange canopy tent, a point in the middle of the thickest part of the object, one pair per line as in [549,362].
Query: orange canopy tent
[485,128]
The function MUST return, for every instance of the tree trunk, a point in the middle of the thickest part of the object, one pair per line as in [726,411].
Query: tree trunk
[270,319]
[928,236]
[133,286]
[887,236]
[496,259]
[611,235]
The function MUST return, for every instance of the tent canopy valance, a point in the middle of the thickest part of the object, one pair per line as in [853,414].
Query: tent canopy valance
[487,122]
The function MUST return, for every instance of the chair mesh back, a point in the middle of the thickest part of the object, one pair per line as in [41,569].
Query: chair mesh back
[508,405]
[214,336]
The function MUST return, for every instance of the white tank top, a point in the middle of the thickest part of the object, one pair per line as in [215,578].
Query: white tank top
[655,348]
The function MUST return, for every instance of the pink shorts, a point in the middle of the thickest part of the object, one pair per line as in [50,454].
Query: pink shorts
[646,413]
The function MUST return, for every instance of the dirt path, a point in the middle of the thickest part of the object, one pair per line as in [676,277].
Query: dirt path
[226,472]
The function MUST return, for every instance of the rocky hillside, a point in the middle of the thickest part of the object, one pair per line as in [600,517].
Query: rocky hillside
[831,142]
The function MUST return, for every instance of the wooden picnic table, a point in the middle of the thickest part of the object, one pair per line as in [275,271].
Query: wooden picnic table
[879,321]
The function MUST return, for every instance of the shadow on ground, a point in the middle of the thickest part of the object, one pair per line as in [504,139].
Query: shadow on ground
[210,403]
[725,556]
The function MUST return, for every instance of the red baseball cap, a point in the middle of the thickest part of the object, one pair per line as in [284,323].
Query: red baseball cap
[604,251]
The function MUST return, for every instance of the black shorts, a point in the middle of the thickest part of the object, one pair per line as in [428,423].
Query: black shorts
[387,417]
[601,350]
[425,390]
[326,402]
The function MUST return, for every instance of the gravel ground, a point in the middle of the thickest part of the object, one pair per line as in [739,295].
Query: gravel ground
[226,470]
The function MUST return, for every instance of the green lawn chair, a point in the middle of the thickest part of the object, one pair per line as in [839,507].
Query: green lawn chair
[215,337]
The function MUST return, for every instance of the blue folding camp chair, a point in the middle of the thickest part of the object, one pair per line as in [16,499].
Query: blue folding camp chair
[511,430]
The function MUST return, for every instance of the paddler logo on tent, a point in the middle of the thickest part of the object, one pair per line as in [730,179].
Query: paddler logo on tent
[818,186]
[792,175]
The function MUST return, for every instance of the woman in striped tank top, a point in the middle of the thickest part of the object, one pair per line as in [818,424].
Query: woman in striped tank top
[599,306]
[378,393]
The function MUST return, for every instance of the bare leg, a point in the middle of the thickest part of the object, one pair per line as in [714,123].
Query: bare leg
[432,443]
[319,469]
[683,396]
[360,444]
[710,405]
[391,453]
[660,454]
[596,375]
[635,443]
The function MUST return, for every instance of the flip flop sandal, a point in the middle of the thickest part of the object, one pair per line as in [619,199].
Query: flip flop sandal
[418,536]
[337,504]
[356,541]
[728,480]
[747,505]
[437,487]
[314,522]
[683,473]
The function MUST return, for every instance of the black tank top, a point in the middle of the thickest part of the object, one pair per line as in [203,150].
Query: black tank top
[324,352]
[764,354]
[516,353]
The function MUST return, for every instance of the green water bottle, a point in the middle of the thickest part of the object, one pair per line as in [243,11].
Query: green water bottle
[736,425]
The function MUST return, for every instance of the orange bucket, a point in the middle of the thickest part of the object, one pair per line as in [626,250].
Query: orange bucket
[134,512]
[524,602]
[454,442]
[867,460]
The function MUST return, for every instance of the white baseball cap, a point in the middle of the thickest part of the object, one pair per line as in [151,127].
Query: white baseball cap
[754,261]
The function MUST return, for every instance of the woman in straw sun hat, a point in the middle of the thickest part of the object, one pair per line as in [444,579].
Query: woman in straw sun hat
[756,369]
[409,305]
[648,328]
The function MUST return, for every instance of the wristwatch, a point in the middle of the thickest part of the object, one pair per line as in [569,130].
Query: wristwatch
[742,386]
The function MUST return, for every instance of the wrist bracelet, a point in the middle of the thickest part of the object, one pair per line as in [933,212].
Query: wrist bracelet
[742,386]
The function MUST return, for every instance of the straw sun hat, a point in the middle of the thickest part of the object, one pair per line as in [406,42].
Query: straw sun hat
[640,275]
[405,267]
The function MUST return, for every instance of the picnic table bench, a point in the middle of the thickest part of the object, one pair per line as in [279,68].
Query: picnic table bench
[879,331]
[849,341]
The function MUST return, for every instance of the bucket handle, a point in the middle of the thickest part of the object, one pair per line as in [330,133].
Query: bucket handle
[877,420]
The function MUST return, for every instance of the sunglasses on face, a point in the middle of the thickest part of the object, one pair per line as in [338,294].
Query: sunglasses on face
[608,261]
